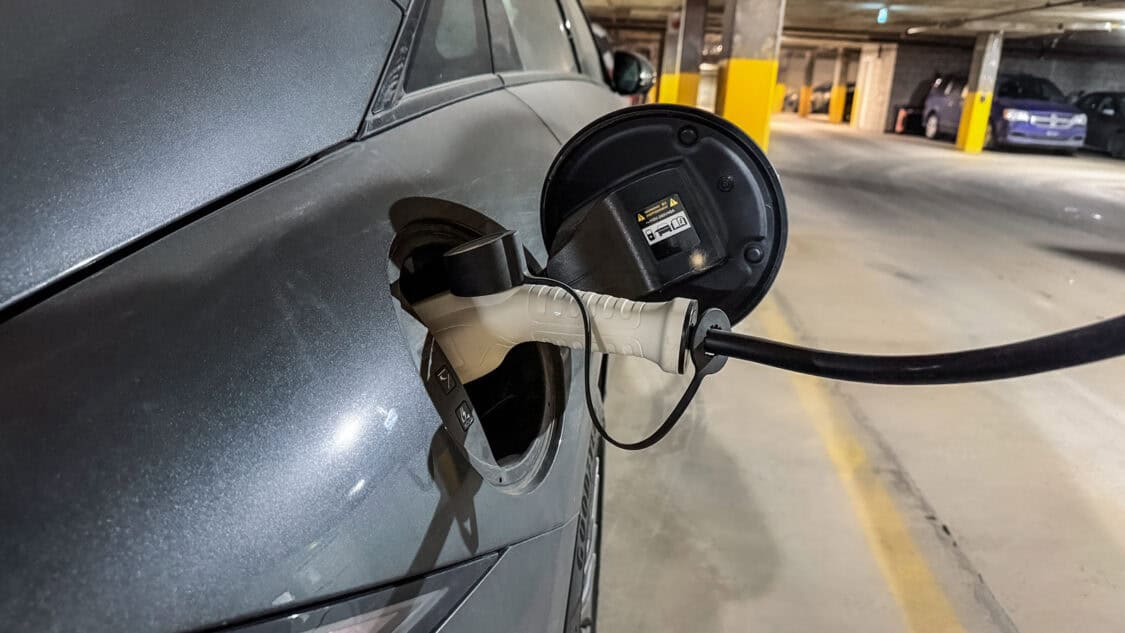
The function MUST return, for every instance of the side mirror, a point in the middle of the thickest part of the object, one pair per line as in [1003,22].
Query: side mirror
[632,74]
[660,201]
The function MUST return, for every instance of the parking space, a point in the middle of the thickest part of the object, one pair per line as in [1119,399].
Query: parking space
[796,504]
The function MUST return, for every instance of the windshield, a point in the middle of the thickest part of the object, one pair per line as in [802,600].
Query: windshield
[1030,88]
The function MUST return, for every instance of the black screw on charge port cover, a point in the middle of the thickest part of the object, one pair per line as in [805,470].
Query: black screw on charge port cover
[754,254]
[688,135]
[726,183]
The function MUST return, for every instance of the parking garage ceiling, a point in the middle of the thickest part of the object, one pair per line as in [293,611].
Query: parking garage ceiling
[1079,24]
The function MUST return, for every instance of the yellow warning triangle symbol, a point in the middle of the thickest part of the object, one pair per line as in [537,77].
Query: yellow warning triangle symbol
[640,218]
[674,203]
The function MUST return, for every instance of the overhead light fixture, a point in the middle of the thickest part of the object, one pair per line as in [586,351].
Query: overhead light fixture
[881,17]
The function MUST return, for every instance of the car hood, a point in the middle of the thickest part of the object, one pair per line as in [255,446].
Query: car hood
[1036,105]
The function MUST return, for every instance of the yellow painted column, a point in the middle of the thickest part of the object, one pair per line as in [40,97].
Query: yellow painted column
[853,119]
[974,121]
[748,89]
[838,97]
[804,94]
[977,106]
[681,88]
[778,97]
[745,95]
[804,101]
[666,79]
[683,43]
[668,84]
[836,100]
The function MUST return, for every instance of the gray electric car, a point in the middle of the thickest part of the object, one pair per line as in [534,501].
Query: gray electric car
[216,410]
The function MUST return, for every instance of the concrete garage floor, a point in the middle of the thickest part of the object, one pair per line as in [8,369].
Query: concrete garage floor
[785,503]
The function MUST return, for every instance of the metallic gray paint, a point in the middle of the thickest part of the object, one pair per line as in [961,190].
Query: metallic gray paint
[112,132]
[415,606]
[524,592]
[227,423]
[555,101]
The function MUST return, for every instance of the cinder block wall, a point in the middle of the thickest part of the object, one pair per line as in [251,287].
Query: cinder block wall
[1070,73]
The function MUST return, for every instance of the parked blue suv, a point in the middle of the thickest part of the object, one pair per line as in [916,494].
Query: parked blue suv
[1027,111]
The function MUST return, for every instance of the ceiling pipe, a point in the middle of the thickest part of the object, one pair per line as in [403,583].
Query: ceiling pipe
[952,24]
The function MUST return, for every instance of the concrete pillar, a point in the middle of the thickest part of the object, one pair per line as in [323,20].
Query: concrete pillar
[665,83]
[779,97]
[860,77]
[973,127]
[689,50]
[874,85]
[839,95]
[804,97]
[748,70]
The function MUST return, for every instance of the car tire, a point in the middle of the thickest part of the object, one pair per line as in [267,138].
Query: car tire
[931,128]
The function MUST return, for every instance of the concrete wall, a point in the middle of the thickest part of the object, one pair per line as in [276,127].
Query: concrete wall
[1069,73]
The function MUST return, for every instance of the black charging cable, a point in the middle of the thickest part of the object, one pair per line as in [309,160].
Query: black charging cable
[712,343]
[705,364]
[1087,344]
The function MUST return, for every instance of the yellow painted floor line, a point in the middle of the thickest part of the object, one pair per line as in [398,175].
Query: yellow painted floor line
[913,585]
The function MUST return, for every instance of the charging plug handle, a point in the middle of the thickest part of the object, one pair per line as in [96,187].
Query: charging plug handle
[476,333]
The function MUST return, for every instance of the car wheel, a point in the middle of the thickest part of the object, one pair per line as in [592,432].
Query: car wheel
[932,128]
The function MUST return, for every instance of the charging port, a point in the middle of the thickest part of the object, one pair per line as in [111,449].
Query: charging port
[515,409]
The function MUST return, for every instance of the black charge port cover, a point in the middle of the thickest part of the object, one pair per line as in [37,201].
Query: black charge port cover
[676,202]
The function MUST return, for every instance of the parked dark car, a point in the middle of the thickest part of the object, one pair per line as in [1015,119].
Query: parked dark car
[1105,131]
[1027,111]
[215,408]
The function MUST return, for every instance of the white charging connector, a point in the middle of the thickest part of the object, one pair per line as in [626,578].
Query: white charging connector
[476,333]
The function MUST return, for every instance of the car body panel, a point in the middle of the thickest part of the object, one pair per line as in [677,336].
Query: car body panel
[554,102]
[413,606]
[526,590]
[115,132]
[228,423]
[1106,127]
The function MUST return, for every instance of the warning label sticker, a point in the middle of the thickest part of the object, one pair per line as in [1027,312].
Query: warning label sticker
[663,219]
[667,227]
